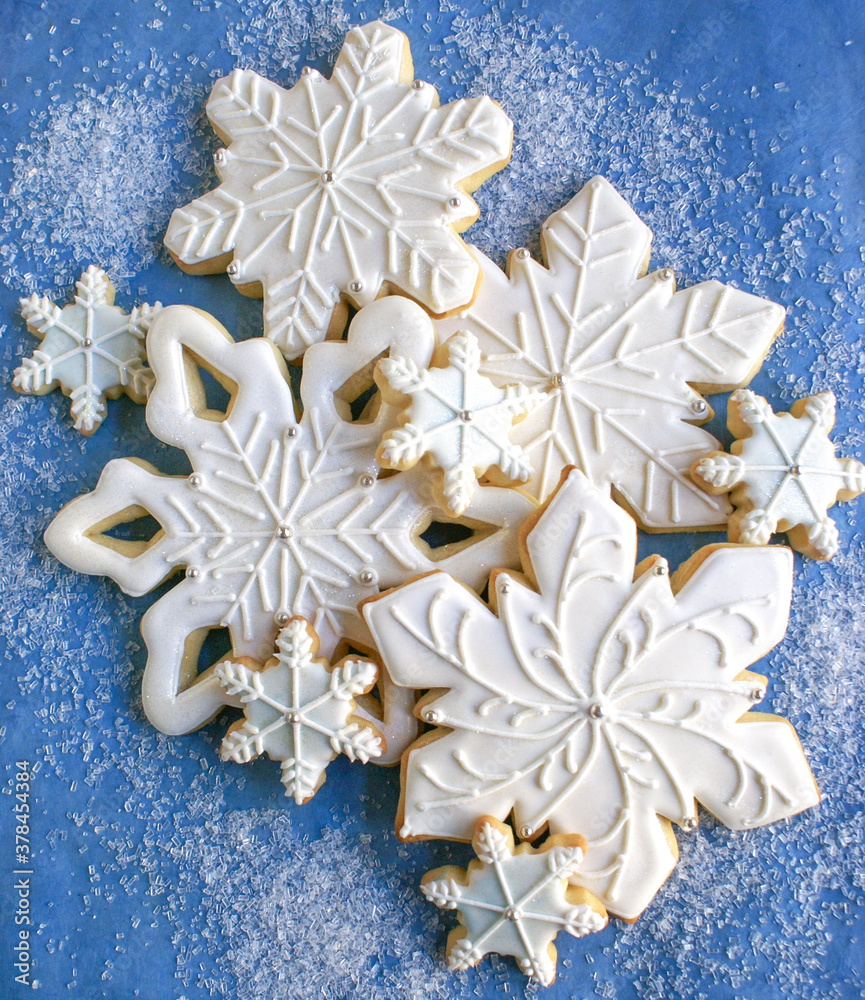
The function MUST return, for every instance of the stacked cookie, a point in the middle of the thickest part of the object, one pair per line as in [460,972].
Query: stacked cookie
[591,702]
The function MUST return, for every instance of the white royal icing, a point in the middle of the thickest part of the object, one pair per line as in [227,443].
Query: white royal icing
[298,710]
[514,901]
[338,187]
[784,474]
[279,517]
[617,352]
[458,418]
[90,348]
[596,703]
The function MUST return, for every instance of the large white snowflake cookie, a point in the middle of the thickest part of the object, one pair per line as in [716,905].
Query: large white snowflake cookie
[456,418]
[298,709]
[514,900]
[621,355]
[279,516]
[90,348]
[783,474]
[341,188]
[594,698]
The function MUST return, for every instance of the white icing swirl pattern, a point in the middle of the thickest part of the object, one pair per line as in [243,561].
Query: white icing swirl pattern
[598,702]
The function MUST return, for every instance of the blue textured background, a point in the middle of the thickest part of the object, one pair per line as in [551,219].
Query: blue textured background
[736,130]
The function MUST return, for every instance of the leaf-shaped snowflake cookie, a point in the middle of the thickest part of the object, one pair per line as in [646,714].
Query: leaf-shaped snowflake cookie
[514,900]
[783,473]
[298,710]
[342,187]
[456,417]
[279,517]
[593,699]
[621,355]
[90,348]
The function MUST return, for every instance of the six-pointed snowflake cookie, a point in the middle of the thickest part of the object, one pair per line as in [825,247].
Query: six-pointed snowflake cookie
[621,355]
[457,418]
[298,710]
[783,473]
[514,900]
[342,188]
[90,349]
[279,517]
[595,698]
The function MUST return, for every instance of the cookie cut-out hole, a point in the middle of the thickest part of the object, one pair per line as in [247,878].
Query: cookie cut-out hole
[211,393]
[130,531]
[441,533]
[139,529]
[357,400]
[203,649]
[441,539]
[216,647]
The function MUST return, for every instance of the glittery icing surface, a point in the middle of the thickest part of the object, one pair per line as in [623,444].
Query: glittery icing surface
[735,133]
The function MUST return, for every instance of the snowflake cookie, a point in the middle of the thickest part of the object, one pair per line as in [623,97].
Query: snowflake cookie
[621,355]
[90,348]
[782,472]
[298,710]
[342,188]
[457,418]
[595,698]
[279,517]
[514,901]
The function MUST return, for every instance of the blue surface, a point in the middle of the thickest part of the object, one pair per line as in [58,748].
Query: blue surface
[736,129]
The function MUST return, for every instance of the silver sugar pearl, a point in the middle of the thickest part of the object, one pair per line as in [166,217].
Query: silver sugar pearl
[327,177]
[559,379]
[454,202]
[699,406]
[526,832]
[192,573]
[504,587]
[219,157]
[195,481]
[596,711]
[283,531]
[522,253]
[292,717]
[758,694]
[282,618]
[795,470]
[418,85]
[307,71]
[291,432]
[432,717]
[367,576]
[660,569]
[690,824]
[512,913]
[87,342]
[466,416]
[366,481]
[233,269]
[356,286]
[666,274]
